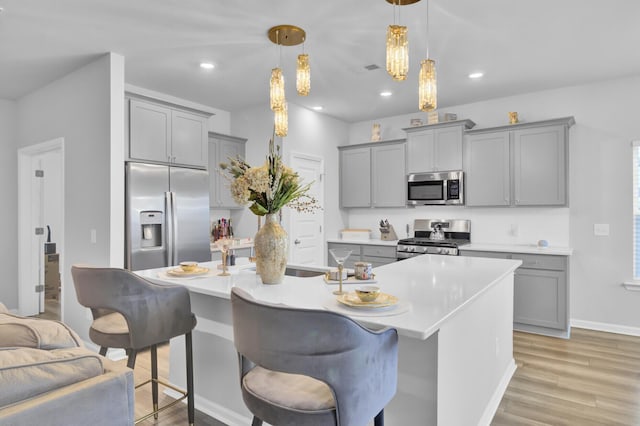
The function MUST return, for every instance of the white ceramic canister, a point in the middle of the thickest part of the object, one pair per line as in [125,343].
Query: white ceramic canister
[363,271]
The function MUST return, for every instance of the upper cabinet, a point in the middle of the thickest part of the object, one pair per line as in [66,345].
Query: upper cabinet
[373,174]
[436,147]
[165,133]
[518,165]
[221,149]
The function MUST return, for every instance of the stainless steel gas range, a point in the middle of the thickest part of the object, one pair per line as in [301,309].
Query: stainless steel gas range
[435,236]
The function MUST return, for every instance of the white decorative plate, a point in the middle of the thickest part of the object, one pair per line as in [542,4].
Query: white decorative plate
[353,301]
[179,272]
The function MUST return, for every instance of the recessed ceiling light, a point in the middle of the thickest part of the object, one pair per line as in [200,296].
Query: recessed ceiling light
[207,65]
[317,107]
[385,93]
[475,75]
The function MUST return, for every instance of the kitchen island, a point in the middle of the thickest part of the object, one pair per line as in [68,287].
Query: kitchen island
[454,319]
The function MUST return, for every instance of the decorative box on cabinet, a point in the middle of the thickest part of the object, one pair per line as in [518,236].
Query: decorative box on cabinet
[377,255]
[518,165]
[165,133]
[541,292]
[373,174]
[436,147]
[221,149]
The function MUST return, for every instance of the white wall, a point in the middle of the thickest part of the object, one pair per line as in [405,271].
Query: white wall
[82,109]
[8,212]
[309,133]
[600,192]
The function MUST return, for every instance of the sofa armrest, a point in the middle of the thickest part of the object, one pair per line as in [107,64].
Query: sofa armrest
[104,400]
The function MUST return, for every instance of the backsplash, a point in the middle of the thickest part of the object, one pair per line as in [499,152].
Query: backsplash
[488,225]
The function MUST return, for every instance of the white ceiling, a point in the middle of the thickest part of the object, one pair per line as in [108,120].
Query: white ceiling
[521,46]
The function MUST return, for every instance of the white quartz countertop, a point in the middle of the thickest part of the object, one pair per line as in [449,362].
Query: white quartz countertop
[372,241]
[519,248]
[430,289]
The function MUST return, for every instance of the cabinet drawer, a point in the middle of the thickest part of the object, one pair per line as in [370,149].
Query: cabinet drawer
[376,261]
[355,248]
[541,261]
[379,251]
[489,254]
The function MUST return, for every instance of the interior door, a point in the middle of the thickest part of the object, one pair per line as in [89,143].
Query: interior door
[307,233]
[38,236]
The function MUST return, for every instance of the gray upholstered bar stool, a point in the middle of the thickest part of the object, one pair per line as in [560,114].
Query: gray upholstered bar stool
[311,367]
[132,313]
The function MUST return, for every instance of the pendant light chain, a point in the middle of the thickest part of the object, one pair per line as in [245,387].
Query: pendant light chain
[427,90]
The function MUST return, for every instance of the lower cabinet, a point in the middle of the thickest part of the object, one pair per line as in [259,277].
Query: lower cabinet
[376,255]
[240,252]
[541,292]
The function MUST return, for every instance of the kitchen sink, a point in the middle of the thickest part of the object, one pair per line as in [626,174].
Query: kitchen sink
[302,272]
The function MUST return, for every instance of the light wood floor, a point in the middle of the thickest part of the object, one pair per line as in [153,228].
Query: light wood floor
[591,379]
[176,415]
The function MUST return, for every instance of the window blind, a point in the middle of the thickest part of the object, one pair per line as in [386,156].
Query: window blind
[636,209]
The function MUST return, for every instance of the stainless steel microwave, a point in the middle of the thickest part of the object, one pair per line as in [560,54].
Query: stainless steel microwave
[437,188]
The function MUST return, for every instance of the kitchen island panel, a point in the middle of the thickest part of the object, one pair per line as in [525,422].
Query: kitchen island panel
[457,327]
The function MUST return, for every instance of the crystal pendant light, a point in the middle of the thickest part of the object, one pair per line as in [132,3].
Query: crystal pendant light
[303,75]
[397,52]
[281,121]
[427,91]
[276,89]
[398,45]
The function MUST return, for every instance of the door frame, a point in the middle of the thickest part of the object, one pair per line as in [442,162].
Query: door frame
[25,227]
[287,216]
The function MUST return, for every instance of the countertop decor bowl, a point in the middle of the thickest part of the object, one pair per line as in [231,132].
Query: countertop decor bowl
[188,266]
[368,293]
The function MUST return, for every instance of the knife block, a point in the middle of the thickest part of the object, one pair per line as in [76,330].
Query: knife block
[388,234]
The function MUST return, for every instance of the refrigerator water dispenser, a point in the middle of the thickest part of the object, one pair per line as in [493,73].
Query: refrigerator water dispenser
[151,223]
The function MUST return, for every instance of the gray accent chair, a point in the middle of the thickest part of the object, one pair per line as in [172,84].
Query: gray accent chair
[311,367]
[132,313]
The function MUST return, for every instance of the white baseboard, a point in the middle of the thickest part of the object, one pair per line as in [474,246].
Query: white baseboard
[603,326]
[496,398]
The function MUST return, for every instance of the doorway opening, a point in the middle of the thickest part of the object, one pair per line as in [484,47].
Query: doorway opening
[41,229]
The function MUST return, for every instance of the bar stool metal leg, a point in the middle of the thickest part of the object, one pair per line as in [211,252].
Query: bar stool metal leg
[131,362]
[379,419]
[154,379]
[190,398]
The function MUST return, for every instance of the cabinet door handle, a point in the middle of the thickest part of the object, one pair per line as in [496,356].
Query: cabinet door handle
[297,241]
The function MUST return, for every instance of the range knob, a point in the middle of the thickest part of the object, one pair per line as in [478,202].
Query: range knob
[439,250]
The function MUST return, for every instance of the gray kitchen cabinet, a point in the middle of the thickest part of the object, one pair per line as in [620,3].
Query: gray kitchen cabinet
[355,177]
[216,256]
[373,174]
[377,255]
[540,293]
[388,175]
[221,149]
[540,166]
[518,165]
[164,133]
[487,165]
[436,147]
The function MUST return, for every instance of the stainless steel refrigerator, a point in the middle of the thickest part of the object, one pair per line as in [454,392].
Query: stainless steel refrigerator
[167,218]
